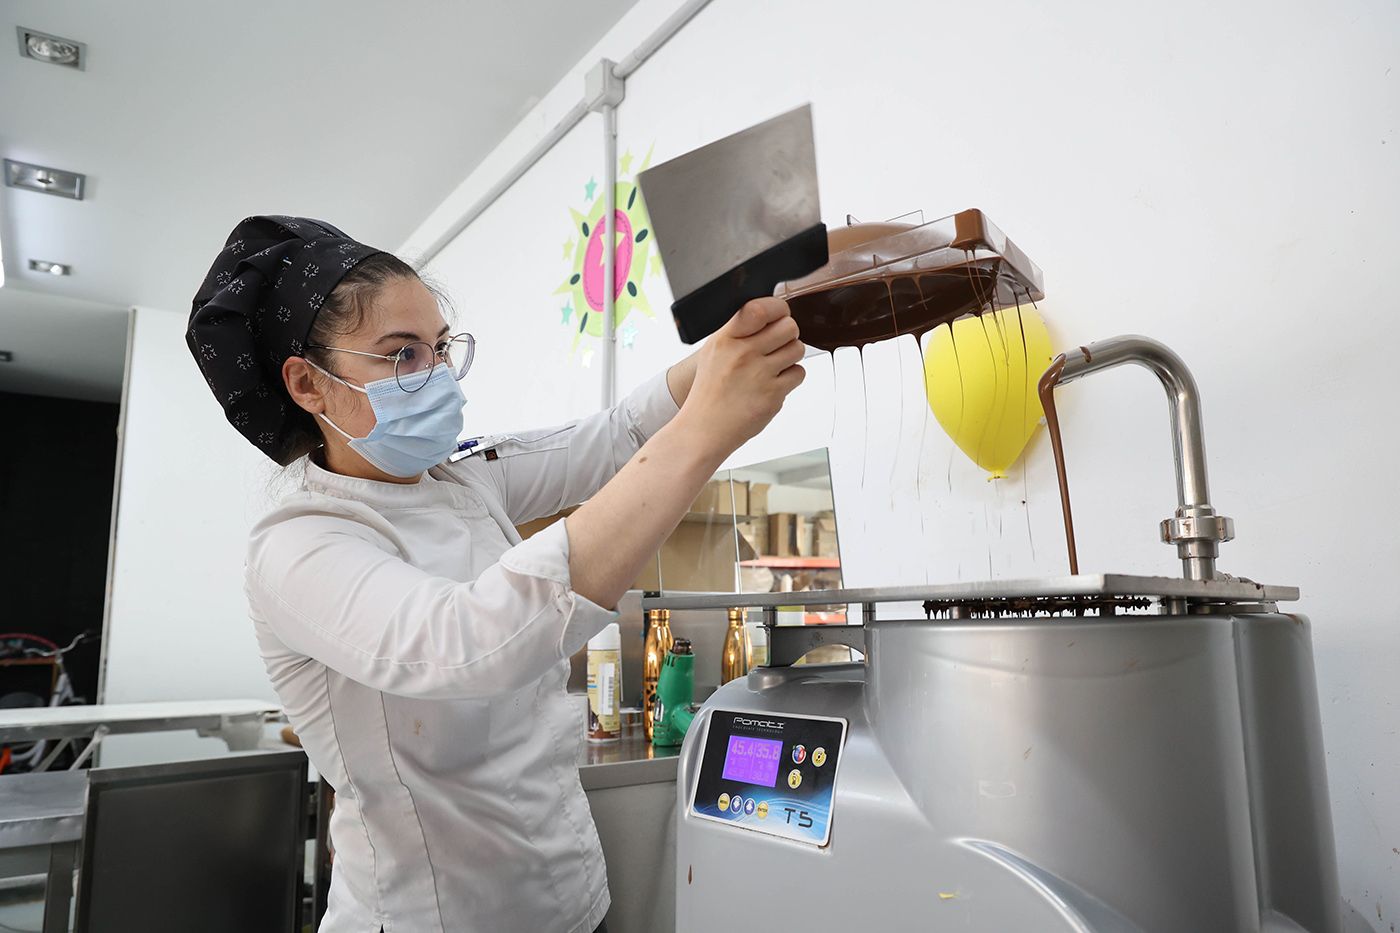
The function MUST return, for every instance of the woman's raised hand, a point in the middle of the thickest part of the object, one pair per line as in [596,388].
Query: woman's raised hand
[743,374]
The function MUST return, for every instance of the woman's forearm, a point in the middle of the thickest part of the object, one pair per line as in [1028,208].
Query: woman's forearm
[614,534]
[728,391]
[681,377]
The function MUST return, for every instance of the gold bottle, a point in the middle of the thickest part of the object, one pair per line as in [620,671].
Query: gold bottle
[734,662]
[658,645]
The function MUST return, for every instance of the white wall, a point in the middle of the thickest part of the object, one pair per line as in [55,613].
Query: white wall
[190,489]
[1223,177]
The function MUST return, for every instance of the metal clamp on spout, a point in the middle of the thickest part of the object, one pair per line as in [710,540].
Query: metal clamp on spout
[1195,529]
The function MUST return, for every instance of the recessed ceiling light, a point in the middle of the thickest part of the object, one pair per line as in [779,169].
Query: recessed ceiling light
[44,180]
[54,50]
[52,268]
[6,356]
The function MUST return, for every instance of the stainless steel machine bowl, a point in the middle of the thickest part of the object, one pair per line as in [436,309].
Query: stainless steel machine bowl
[1083,771]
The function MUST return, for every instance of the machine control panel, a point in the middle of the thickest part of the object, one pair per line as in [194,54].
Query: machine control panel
[770,773]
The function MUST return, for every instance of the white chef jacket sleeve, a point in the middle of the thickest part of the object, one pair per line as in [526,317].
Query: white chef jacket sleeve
[538,473]
[331,587]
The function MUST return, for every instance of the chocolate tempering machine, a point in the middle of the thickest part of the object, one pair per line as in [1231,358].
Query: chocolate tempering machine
[1089,753]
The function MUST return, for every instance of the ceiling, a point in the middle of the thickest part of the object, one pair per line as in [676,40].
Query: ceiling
[64,347]
[807,470]
[191,116]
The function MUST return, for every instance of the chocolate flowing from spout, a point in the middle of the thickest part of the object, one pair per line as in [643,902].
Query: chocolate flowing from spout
[1046,390]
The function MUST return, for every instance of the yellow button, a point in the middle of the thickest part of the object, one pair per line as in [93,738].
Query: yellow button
[794,778]
[819,757]
[763,809]
[723,802]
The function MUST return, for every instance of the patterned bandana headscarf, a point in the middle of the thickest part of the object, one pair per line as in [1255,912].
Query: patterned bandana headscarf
[255,309]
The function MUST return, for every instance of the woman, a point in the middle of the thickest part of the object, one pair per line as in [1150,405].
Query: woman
[419,647]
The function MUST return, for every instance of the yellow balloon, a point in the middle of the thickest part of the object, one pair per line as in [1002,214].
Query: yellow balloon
[981,374]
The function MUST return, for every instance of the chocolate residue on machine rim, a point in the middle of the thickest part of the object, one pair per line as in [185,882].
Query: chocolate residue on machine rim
[1046,390]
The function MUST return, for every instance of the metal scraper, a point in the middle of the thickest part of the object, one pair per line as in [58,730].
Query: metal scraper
[735,218]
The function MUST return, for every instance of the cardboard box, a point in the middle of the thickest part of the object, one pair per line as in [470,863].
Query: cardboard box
[780,534]
[758,498]
[789,535]
[824,534]
[802,535]
[755,532]
[718,499]
[697,556]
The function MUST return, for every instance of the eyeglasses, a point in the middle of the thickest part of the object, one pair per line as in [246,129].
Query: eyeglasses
[414,362]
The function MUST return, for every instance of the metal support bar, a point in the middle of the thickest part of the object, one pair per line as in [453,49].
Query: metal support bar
[52,756]
[609,253]
[98,735]
[58,892]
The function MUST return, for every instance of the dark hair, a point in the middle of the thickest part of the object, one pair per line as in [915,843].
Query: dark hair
[343,313]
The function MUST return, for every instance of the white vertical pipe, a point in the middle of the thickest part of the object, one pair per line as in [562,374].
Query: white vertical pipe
[609,255]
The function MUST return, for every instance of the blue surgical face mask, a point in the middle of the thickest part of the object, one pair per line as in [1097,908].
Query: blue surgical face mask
[413,431]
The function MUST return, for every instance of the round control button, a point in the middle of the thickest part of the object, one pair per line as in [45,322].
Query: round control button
[799,754]
[763,810]
[819,757]
[723,802]
[794,779]
[749,805]
[736,805]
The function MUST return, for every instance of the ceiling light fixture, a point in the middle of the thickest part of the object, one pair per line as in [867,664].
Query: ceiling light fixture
[52,50]
[44,180]
[52,268]
[6,356]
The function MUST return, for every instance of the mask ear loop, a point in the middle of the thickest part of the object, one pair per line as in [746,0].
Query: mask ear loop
[331,375]
[321,414]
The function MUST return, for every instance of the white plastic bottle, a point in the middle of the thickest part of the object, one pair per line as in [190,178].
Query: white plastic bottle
[605,685]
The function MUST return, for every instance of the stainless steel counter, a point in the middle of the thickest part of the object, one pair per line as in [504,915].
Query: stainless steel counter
[42,809]
[629,761]
[41,821]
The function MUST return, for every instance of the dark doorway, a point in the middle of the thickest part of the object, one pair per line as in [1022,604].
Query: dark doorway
[57,464]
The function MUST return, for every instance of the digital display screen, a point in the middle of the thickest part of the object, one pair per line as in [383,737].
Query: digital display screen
[753,761]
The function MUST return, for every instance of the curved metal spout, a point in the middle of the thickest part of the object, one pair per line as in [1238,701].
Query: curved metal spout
[1195,529]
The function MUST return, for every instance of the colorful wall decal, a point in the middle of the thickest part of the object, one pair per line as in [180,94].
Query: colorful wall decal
[585,288]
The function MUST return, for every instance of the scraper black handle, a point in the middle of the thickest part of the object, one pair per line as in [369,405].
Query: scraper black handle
[710,306]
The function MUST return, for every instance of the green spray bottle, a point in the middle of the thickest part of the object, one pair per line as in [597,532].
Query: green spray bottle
[675,690]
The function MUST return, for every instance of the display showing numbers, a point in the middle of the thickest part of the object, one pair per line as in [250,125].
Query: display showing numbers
[752,760]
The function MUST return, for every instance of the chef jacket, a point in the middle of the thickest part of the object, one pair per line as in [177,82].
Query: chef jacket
[421,649]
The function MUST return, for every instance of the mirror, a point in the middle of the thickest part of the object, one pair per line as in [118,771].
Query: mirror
[763,528]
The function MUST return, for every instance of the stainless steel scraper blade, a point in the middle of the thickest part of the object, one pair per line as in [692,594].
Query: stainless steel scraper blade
[735,217]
